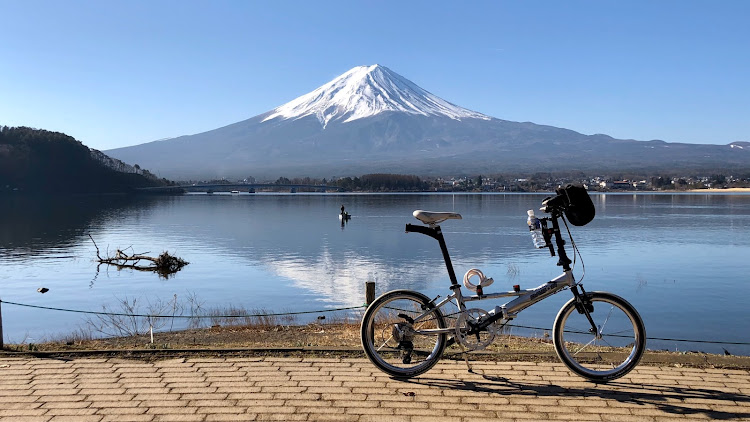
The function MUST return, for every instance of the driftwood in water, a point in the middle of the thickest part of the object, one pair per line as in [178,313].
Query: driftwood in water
[165,264]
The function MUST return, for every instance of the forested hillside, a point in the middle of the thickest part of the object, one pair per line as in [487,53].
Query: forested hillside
[40,161]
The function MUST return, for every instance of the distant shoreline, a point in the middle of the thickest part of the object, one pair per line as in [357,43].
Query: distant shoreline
[720,190]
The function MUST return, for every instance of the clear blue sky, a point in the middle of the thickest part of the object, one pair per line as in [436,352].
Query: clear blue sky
[119,73]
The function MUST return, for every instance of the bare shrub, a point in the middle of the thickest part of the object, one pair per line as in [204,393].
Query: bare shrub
[133,317]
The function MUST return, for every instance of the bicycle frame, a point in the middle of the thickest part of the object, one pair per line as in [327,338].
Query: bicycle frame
[523,298]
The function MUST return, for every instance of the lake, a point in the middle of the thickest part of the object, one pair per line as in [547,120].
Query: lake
[681,259]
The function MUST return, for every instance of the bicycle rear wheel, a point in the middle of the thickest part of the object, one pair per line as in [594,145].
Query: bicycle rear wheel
[393,335]
[610,352]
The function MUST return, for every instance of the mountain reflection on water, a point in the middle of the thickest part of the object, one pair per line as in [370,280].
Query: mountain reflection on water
[289,252]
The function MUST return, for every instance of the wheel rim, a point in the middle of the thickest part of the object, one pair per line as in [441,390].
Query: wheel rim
[612,350]
[388,334]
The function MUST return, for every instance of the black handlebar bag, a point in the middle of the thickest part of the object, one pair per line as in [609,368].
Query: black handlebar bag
[579,209]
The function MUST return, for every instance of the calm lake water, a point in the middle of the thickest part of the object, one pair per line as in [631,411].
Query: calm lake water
[681,259]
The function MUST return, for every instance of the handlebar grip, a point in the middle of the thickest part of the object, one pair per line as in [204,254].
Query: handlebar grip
[553,203]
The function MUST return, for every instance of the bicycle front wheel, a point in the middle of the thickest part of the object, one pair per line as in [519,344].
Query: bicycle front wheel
[610,351]
[398,333]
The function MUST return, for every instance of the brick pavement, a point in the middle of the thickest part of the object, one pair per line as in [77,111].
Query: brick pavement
[348,389]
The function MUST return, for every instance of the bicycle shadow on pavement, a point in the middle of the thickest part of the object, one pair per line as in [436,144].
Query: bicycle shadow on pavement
[666,398]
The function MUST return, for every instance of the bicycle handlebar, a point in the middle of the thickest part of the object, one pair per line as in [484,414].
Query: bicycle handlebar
[554,204]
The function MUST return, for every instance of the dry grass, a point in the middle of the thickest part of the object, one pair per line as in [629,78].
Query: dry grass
[335,334]
[337,337]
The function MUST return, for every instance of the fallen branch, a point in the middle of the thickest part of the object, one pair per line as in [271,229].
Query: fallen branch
[165,264]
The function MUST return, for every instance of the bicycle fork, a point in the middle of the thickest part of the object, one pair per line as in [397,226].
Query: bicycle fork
[585,307]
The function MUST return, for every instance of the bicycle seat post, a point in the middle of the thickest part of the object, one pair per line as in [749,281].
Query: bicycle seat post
[437,234]
[433,219]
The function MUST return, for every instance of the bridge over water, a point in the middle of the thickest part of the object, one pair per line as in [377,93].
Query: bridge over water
[240,187]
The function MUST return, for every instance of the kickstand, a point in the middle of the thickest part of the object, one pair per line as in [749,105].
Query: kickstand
[465,355]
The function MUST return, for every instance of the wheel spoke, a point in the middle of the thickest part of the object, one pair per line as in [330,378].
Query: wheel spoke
[609,315]
[584,346]
[385,343]
[604,340]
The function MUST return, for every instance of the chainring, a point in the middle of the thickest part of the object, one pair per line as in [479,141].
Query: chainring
[474,341]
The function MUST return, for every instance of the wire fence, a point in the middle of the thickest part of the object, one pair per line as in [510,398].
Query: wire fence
[185,316]
[281,314]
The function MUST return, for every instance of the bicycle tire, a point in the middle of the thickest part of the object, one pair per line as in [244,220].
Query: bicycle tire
[387,349]
[610,355]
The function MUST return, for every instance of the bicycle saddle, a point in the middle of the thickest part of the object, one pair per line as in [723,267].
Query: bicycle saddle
[431,217]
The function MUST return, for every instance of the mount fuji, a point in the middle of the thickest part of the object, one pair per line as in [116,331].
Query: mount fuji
[367,91]
[371,119]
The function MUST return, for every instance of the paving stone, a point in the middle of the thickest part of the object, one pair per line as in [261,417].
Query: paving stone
[222,417]
[179,418]
[127,418]
[132,410]
[25,418]
[22,412]
[70,412]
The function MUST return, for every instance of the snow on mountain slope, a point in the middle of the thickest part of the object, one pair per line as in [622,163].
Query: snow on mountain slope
[366,91]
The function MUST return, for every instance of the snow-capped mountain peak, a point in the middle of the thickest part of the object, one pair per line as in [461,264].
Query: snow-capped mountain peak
[366,91]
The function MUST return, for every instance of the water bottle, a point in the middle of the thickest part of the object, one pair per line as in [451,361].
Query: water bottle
[535,227]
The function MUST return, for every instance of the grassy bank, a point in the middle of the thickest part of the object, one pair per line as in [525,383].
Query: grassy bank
[335,338]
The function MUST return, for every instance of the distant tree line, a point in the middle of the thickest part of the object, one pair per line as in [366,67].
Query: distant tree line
[382,182]
[41,161]
[536,182]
